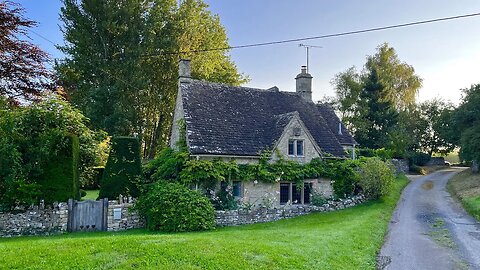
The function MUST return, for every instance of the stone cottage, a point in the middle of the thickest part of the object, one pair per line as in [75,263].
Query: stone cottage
[239,123]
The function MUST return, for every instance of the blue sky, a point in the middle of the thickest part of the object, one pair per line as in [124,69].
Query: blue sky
[445,54]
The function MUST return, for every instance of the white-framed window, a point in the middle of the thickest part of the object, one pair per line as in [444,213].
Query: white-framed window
[296,148]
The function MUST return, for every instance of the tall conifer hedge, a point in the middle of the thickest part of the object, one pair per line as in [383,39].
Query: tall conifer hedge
[123,170]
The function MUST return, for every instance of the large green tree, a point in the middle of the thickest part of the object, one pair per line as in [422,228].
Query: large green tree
[33,141]
[375,101]
[122,56]
[461,126]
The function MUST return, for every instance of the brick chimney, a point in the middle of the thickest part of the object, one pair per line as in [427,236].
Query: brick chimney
[184,71]
[304,84]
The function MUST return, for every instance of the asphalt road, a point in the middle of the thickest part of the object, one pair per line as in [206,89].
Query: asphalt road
[429,230]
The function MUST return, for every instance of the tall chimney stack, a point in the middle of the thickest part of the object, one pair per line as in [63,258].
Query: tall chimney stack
[304,84]
[184,70]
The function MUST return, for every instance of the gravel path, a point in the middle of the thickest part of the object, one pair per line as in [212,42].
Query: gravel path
[429,230]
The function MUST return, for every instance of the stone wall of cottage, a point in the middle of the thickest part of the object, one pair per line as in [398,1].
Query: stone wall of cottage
[268,194]
[243,216]
[37,220]
[289,134]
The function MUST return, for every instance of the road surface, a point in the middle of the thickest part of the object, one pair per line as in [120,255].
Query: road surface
[429,230]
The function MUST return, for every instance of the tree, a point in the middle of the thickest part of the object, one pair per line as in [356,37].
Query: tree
[462,125]
[432,140]
[23,74]
[33,140]
[122,61]
[375,101]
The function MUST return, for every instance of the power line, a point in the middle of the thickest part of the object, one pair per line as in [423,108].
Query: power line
[327,36]
[305,38]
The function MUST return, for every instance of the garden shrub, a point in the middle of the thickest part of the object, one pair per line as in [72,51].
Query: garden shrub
[224,199]
[123,171]
[60,178]
[376,177]
[172,207]
[345,177]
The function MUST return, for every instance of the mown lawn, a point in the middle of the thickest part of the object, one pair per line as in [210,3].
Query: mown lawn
[347,239]
[91,195]
[465,186]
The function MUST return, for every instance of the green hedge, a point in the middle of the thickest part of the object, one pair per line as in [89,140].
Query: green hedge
[60,179]
[123,170]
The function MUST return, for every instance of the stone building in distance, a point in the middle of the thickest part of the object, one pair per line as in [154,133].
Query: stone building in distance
[240,123]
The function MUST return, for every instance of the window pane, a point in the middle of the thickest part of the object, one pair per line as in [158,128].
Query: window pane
[284,191]
[299,148]
[296,195]
[291,147]
[237,188]
[306,192]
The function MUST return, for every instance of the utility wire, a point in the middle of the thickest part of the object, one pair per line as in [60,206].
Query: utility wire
[327,36]
[306,38]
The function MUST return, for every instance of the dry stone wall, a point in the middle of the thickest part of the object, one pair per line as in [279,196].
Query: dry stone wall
[121,216]
[241,217]
[37,220]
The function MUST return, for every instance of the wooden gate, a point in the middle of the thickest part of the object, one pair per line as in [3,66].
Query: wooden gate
[87,216]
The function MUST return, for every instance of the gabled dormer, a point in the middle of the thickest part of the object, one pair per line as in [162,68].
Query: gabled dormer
[295,141]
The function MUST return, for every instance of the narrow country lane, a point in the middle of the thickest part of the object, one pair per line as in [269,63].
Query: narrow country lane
[429,230]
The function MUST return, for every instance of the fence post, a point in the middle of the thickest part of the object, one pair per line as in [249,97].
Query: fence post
[70,215]
[105,213]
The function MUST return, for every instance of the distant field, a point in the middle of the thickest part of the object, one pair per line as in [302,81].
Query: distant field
[451,157]
[347,239]
[465,186]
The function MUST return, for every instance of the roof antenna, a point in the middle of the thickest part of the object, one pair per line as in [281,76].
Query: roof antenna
[307,47]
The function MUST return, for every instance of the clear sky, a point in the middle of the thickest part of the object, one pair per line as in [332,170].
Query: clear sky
[445,54]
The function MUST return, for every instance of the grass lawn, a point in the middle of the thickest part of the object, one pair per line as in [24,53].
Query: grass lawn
[91,195]
[347,239]
[465,186]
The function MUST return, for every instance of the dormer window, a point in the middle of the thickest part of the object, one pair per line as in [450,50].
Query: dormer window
[295,148]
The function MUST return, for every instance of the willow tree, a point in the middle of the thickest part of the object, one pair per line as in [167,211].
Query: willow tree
[121,61]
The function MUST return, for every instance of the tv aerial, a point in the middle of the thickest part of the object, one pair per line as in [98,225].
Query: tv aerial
[307,48]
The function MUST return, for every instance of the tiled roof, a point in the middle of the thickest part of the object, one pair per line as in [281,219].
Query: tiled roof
[332,120]
[228,120]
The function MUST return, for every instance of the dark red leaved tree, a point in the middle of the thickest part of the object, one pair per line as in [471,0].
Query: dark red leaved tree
[23,74]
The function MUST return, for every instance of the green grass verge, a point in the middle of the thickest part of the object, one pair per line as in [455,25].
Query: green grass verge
[465,187]
[347,239]
[91,195]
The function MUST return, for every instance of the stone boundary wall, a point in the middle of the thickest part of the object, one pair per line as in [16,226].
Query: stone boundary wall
[120,216]
[37,220]
[127,219]
[401,166]
[436,161]
[241,217]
